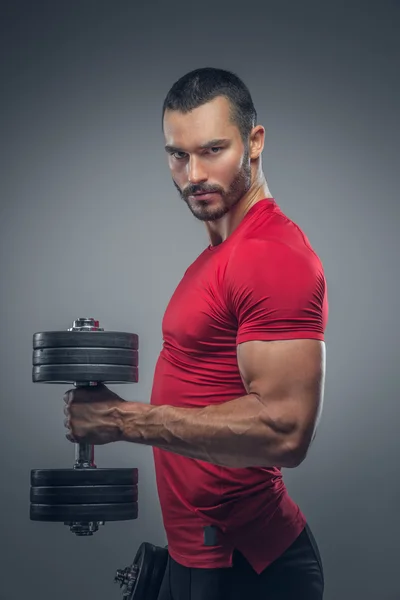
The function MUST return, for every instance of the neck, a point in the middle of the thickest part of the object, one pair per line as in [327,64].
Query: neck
[220,230]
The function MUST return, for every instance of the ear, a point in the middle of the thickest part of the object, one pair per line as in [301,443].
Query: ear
[257,138]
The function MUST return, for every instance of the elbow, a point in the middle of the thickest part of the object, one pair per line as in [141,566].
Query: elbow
[296,454]
[298,446]
[290,448]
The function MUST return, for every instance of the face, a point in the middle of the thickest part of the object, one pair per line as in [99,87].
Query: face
[210,166]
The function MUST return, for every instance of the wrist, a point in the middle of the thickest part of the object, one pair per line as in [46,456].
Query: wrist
[119,415]
[129,419]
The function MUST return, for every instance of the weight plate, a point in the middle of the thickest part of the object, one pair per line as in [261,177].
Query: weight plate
[79,477]
[150,561]
[159,565]
[84,512]
[144,564]
[86,356]
[72,373]
[92,494]
[85,339]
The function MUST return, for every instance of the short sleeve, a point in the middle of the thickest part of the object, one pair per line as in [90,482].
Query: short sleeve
[276,291]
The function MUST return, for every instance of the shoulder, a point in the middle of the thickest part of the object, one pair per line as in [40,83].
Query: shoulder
[273,237]
[274,273]
[273,256]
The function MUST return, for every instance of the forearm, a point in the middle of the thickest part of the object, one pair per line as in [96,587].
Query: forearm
[235,434]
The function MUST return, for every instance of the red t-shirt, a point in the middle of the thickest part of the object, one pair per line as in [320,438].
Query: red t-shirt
[264,282]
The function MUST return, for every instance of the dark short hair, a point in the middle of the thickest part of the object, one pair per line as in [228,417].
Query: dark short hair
[203,85]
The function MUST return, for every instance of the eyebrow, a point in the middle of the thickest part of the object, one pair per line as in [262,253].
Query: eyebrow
[210,144]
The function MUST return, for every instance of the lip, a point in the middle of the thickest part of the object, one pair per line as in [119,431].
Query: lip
[204,196]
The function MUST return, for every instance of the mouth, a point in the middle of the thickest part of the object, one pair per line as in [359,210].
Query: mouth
[203,195]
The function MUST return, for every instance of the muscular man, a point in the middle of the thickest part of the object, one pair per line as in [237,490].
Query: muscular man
[238,386]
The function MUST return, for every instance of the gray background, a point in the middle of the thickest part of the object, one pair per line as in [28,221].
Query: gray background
[92,225]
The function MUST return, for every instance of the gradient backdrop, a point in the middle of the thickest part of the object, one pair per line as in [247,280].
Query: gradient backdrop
[91,225]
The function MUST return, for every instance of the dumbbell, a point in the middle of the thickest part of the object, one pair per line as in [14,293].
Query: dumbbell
[84,496]
[142,579]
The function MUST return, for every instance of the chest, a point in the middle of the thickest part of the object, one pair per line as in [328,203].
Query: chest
[197,318]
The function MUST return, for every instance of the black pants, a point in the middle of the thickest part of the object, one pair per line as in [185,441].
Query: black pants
[296,575]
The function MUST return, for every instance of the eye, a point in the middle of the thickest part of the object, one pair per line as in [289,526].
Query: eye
[215,148]
[175,155]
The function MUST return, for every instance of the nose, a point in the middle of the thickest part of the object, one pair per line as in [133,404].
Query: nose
[197,173]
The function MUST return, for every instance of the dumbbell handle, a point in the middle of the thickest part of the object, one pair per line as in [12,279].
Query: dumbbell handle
[84,456]
[84,453]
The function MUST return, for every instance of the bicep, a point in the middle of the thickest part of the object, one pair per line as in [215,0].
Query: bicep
[288,377]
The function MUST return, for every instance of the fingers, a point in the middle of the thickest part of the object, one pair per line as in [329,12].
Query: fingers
[85,393]
[68,396]
[76,395]
[67,426]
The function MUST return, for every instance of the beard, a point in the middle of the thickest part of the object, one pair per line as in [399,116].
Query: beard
[202,209]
